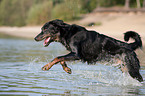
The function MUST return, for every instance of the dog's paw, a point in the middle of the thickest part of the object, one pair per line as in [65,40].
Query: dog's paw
[46,67]
[68,70]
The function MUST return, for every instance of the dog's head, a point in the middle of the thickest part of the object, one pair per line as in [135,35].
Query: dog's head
[50,32]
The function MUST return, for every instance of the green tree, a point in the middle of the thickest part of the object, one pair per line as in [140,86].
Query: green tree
[39,13]
[67,10]
[144,4]
[88,5]
[13,12]
[127,4]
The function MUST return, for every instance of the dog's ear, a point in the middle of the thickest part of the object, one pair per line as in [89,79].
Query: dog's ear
[59,23]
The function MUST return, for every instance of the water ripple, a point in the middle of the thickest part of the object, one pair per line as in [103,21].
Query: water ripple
[21,74]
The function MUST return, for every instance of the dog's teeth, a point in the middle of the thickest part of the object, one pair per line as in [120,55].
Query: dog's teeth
[46,41]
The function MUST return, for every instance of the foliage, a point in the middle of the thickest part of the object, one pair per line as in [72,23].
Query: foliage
[88,5]
[36,12]
[13,12]
[109,3]
[68,10]
[39,13]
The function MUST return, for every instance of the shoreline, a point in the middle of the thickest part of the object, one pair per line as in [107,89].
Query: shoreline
[113,25]
[31,32]
[21,32]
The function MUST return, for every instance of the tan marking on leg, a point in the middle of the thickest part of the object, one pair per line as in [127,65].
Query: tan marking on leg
[124,68]
[123,65]
[49,65]
[117,62]
[65,68]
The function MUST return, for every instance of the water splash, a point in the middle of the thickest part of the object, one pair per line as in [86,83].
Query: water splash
[83,74]
[118,79]
[106,75]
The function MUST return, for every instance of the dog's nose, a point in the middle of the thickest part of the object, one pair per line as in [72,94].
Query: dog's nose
[36,39]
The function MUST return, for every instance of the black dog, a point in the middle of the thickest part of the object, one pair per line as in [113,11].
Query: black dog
[90,46]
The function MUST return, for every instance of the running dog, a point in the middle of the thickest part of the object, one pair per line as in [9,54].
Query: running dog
[90,46]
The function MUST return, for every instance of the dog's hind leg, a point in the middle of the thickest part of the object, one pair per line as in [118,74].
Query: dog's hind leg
[135,74]
[133,66]
[131,63]
[122,65]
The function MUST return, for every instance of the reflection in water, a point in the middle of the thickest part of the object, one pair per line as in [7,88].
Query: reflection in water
[21,74]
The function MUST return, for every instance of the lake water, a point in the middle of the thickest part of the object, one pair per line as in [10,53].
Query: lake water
[21,74]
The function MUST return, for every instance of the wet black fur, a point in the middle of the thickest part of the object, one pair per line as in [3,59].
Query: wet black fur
[90,46]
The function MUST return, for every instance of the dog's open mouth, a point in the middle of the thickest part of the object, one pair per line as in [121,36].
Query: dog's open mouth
[46,41]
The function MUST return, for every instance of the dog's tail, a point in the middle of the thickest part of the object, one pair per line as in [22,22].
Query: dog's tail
[136,37]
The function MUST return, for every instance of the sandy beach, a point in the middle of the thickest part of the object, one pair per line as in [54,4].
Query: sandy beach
[24,32]
[113,24]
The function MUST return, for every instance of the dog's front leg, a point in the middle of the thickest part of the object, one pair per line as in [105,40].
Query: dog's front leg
[62,59]
[49,65]
[65,68]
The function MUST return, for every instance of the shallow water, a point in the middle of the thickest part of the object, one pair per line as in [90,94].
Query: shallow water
[21,74]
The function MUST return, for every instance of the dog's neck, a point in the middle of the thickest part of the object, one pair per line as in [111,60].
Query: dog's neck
[67,32]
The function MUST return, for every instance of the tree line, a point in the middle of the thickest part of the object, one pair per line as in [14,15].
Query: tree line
[37,12]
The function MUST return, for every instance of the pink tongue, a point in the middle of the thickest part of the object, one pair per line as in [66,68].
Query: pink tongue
[46,41]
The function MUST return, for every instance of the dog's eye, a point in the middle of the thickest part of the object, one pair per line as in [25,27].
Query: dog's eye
[45,29]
